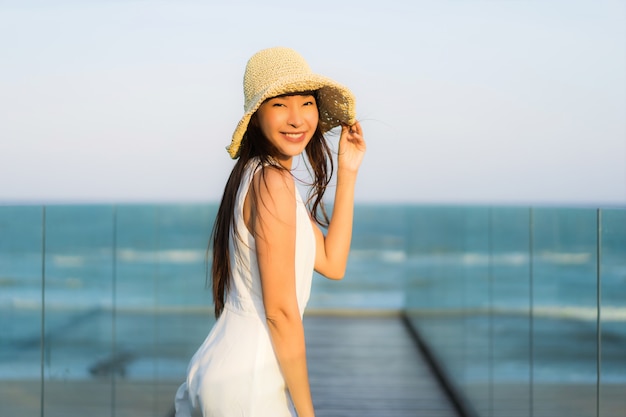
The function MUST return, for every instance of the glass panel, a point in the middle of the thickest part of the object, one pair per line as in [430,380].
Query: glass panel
[163,311]
[564,312]
[133,360]
[377,250]
[510,327]
[476,293]
[184,305]
[437,284]
[613,314]
[78,311]
[20,310]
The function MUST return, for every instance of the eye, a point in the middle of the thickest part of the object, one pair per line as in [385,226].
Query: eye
[309,103]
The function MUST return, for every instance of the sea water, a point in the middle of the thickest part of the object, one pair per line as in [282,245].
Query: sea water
[73,273]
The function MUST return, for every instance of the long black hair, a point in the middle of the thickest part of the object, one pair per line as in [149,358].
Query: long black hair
[255,145]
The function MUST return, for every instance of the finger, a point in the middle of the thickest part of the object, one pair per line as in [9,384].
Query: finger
[355,129]
[344,129]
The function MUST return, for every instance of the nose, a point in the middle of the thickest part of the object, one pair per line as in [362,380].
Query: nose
[294,117]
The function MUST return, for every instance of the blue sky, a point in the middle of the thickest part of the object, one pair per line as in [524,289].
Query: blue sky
[469,102]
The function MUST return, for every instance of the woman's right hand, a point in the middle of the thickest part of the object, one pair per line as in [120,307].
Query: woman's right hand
[351,148]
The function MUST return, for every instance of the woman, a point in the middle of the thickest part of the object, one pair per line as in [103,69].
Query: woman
[266,243]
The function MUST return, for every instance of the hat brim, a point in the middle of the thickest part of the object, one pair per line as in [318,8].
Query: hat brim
[336,104]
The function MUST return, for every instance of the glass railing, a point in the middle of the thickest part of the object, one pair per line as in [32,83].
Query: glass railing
[524,309]
[101,307]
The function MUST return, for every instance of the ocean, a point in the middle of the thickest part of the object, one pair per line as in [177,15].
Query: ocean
[132,279]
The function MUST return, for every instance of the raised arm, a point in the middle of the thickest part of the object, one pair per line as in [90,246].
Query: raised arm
[273,221]
[332,250]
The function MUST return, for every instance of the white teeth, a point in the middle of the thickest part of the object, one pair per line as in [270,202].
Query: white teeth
[293,135]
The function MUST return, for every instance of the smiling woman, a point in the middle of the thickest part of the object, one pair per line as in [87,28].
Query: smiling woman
[266,243]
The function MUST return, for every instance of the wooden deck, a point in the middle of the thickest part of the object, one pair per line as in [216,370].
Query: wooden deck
[370,366]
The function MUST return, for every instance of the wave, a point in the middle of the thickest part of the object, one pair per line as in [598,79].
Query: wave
[175,256]
[607,314]
[68,261]
[104,306]
[513,258]
[384,255]
[565,258]
[10,282]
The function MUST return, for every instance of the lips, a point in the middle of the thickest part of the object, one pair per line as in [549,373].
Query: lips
[294,137]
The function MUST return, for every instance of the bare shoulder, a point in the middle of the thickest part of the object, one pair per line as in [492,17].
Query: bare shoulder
[274,182]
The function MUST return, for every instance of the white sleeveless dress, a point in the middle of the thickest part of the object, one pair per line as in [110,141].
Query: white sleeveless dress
[235,372]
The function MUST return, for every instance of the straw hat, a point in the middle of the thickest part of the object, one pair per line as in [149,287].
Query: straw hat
[276,71]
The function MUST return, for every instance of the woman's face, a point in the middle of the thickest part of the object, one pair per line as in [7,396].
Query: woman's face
[289,123]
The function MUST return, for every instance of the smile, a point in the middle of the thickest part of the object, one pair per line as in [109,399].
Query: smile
[294,137]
